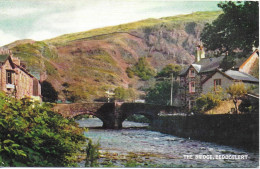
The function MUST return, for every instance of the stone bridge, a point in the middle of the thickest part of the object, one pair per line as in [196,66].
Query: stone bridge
[113,114]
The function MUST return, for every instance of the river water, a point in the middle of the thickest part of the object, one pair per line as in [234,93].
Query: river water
[135,143]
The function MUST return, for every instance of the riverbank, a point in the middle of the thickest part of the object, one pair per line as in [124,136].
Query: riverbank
[226,129]
[133,146]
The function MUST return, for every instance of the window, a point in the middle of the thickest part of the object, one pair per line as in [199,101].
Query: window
[9,79]
[192,73]
[192,87]
[217,84]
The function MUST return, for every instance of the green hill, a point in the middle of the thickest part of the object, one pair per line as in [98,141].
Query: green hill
[84,65]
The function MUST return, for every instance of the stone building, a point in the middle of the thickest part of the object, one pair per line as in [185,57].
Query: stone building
[15,80]
[192,77]
[225,79]
[204,75]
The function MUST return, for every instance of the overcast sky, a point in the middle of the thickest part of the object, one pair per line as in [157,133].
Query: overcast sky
[44,19]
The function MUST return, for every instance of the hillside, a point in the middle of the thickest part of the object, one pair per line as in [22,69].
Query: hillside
[84,65]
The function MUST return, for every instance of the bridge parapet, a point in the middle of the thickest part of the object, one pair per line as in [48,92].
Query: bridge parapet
[75,109]
[113,114]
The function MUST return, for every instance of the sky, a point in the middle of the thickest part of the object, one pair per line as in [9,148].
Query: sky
[45,19]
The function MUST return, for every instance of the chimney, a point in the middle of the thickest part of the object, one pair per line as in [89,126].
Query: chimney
[200,53]
[16,61]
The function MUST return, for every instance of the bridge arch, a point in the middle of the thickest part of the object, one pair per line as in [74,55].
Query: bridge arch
[103,111]
[113,114]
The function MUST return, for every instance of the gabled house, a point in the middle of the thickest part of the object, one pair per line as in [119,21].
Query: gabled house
[248,64]
[225,79]
[15,80]
[192,77]
[205,75]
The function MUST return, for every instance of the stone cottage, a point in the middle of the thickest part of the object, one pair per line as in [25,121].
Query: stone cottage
[15,80]
[225,79]
[192,77]
[203,75]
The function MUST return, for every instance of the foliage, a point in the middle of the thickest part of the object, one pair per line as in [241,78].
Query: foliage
[208,101]
[160,93]
[130,72]
[33,135]
[49,94]
[69,94]
[168,70]
[122,94]
[31,52]
[236,91]
[236,28]
[92,154]
[249,105]
[138,118]
[190,28]
[142,69]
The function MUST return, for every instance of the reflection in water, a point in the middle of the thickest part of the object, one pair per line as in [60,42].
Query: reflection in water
[163,149]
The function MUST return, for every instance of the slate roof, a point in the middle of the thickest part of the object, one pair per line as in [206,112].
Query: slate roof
[236,75]
[184,70]
[205,65]
[3,58]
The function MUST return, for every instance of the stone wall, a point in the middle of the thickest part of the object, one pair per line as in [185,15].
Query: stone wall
[22,81]
[24,84]
[209,84]
[236,130]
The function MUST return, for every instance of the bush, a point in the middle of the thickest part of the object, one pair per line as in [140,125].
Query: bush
[138,118]
[122,94]
[92,154]
[142,69]
[208,101]
[33,135]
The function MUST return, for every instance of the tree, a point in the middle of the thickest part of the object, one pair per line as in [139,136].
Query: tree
[123,94]
[141,69]
[168,70]
[161,93]
[120,94]
[236,29]
[92,154]
[236,91]
[249,105]
[49,94]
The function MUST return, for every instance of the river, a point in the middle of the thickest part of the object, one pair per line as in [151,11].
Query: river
[135,144]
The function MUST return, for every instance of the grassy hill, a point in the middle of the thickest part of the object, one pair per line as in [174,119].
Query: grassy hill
[177,20]
[84,65]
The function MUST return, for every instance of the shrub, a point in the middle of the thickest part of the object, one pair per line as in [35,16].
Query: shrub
[92,154]
[141,69]
[208,101]
[236,92]
[33,135]
[122,94]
